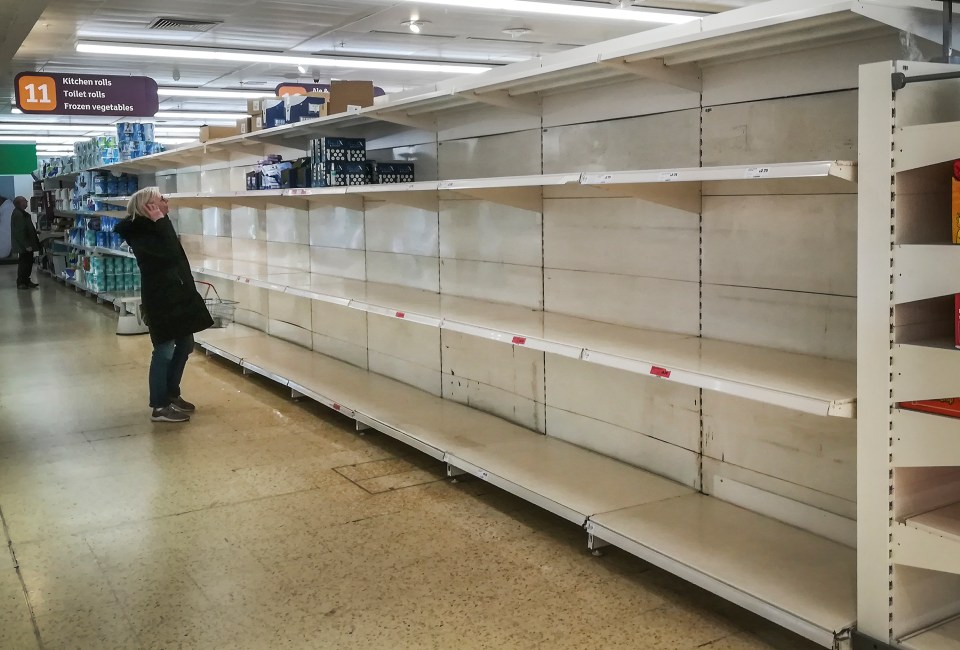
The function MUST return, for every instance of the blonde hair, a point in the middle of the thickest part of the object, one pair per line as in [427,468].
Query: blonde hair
[139,200]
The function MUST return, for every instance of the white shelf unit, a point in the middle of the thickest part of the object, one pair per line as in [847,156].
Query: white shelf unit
[908,461]
[753,560]
[797,382]
[527,203]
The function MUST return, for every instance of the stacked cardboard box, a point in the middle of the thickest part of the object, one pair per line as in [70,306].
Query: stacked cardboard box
[339,161]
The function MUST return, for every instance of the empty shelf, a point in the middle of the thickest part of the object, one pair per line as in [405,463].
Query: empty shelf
[945,636]
[930,540]
[560,477]
[799,580]
[798,382]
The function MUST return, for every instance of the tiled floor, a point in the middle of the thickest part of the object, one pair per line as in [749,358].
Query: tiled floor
[266,523]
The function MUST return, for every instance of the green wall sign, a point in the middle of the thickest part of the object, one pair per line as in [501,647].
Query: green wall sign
[17,159]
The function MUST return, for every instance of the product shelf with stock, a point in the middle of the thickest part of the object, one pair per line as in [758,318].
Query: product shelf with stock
[665,522]
[798,382]
[102,250]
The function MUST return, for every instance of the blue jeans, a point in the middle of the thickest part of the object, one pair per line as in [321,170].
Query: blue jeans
[166,369]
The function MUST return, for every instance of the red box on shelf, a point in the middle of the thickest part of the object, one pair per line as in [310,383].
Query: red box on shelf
[956,320]
[955,203]
[949,406]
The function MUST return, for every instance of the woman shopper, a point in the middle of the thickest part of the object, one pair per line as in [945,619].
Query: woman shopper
[173,309]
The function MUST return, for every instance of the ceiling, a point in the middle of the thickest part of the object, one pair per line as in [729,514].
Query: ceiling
[343,28]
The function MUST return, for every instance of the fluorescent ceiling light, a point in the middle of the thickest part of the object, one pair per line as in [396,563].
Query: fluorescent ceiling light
[214,94]
[203,54]
[189,115]
[41,139]
[90,130]
[52,126]
[572,11]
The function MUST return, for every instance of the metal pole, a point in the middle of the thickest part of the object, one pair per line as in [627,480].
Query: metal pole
[947,30]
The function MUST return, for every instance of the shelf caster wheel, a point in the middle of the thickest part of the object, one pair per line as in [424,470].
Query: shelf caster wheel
[598,552]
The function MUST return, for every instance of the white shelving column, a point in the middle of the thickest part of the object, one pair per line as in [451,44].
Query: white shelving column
[875,257]
[908,463]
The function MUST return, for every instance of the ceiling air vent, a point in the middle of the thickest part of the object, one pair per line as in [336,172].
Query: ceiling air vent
[184,24]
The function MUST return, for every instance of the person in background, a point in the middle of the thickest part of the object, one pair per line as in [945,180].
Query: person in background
[25,242]
[172,307]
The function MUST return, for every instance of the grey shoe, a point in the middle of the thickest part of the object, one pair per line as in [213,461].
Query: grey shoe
[169,414]
[182,405]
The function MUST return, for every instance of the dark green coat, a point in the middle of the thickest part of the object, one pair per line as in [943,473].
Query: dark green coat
[171,304]
[22,233]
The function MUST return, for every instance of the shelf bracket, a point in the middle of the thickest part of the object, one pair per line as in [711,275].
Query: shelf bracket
[686,76]
[682,196]
[523,198]
[427,201]
[350,202]
[531,104]
[405,119]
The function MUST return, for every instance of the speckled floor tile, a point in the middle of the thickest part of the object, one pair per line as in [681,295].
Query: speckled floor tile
[87,628]
[16,628]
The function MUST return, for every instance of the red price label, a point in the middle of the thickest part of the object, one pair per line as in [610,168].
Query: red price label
[519,340]
[336,407]
[660,372]
[400,314]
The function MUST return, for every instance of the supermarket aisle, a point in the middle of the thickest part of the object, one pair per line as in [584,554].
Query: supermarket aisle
[266,523]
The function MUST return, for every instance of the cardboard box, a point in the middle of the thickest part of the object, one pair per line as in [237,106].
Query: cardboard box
[244,125]
[305,107]
[324,150]
[349,93]
[255,106]
[274,113]
[392,172]
[256,123]
[949,406]
[216,132]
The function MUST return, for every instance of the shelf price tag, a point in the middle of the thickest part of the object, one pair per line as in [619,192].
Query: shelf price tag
[336,407]
[668,177]
[519,340]
[401,314]
[757,172]
[663,373]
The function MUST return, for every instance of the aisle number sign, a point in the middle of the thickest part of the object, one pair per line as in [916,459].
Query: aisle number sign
[77,94]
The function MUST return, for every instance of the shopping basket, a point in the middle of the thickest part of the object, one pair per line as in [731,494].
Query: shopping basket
[221,311]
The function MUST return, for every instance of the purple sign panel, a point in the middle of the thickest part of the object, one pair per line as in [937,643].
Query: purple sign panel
[291,88]
[47,93]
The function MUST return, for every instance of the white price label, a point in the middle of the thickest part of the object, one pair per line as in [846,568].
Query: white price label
[757,172]
[606,178]
[666,177]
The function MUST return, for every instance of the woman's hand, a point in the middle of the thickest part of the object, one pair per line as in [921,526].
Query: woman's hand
[154,212]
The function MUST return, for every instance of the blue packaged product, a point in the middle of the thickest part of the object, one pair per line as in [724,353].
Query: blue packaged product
[148,132]
[133,184]
[100,184]
[112,186]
